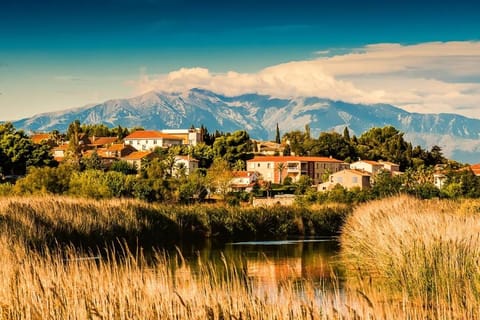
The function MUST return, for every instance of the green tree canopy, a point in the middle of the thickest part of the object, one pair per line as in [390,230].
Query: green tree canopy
[233,147]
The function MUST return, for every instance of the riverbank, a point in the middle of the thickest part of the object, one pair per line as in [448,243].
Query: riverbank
[50,221]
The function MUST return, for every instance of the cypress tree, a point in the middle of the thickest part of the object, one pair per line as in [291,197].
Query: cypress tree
[277,135]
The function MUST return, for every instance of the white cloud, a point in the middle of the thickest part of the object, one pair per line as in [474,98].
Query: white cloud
[428,77]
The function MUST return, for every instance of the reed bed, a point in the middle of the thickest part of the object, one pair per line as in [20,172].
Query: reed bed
[424,253]
[41,220]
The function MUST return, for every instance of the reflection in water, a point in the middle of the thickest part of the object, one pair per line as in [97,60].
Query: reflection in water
[270,263]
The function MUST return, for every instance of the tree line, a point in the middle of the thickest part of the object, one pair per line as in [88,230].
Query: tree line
[160,179]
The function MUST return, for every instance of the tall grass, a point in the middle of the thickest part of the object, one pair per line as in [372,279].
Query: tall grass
[90,223]
[71,286]
[424,253]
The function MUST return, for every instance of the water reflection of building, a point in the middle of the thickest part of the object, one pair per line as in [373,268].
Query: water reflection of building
[278,269]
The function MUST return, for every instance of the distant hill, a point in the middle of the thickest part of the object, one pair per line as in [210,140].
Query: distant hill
[258,114]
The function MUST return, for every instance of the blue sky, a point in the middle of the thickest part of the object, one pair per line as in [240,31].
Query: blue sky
[61,54]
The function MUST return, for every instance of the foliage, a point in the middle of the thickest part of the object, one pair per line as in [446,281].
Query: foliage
[17,151]
[219,177]
[92,162]
[233,147]
[123,167]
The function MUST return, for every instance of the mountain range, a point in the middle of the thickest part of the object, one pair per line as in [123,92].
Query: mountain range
[458,136]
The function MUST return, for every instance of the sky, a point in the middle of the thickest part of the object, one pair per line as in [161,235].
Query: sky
[422,56]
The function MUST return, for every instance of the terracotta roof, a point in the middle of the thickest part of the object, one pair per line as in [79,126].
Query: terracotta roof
[103,140]
[292,158]
[476,169]
[358,172]
[150,134]
[242,174]
[137,155]
[371,162]
[39,137]
[116,147]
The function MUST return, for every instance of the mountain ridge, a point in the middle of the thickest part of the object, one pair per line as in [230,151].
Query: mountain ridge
[259,114]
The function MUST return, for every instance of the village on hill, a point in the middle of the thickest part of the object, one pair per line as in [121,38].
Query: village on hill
[234,164]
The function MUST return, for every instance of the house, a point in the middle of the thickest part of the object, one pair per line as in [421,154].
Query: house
[191,137]
[475,169]
[439,179]
[136,158]
[186,162]
[98,142]
[390,166]
[117,150]
[60,152]
[268,148]
[144,140]
[347,178]
[243,180]
[369,166]
[277,168]
[39,138]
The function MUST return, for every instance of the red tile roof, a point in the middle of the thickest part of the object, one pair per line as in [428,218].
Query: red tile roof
[293,158]
[242,174]
[39,137]
[476,169]
[103,140]
[137,155]
[357,172]
[116,147]
[150,134]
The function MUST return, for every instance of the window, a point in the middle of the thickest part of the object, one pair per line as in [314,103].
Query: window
[354,179]
[339,179]
[154,141]
[258,165]
[138,142]
[268,165]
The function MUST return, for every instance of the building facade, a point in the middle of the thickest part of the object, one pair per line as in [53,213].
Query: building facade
[148,140]
[277,168]
[348,178]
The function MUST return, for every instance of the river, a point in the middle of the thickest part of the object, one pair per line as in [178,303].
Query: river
[269,263]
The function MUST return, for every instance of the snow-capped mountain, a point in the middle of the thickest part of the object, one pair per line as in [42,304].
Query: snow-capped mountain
[458,136]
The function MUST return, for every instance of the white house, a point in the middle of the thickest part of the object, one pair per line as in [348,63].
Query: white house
[243,180]
[186,162]
[143,140]
[191,137]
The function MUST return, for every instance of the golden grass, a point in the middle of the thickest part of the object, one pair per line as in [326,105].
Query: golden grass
[422,258]
[424,253]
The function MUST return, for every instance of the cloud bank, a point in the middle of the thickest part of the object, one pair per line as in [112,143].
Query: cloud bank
[429,77]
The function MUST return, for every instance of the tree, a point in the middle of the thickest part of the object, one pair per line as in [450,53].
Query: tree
[203,153]
[233,147]
[74,143]
[93,162]
[333,144]
[280,167]
[219,176]
[346,134]
[123,167]
[277,135]
[17,151]
[303,184]
[297,142]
